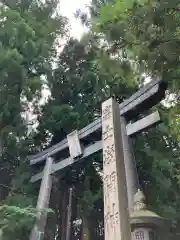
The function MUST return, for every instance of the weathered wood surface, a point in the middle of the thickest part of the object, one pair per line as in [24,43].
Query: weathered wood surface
[116,214]
[69,161]
[132,179]
[43,201]
[74,144]
[144,123]
[130,164]
[142,100]
[69,215]
[131,129]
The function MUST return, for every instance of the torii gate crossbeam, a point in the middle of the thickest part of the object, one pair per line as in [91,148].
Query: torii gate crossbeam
[139,102]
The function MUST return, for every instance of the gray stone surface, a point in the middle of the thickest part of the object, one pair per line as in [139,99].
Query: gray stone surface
[130,166]
[116,214]
[43,201]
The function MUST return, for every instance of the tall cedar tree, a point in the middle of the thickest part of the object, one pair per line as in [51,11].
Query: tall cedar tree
[28,30]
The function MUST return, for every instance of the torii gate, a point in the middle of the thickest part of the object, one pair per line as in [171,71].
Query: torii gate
[120,176]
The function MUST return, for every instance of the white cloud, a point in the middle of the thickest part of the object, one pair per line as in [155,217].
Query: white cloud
[68,8]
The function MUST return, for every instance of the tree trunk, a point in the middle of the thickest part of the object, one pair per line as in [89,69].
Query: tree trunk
[85,229]
[64,214]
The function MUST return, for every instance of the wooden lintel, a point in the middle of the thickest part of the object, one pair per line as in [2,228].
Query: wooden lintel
[144,99]
[144,123]
[74,144]
[132,129]
[69,161]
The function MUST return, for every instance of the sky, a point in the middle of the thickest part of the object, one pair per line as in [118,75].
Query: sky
[68,8]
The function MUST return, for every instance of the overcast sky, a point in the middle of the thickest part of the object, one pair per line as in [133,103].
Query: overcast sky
[68,8]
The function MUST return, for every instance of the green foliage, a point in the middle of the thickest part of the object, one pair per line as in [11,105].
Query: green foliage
[28,32]
[84,77]
[81,81]
[157,155]
[174,120]
[131,38]
[148,31]
[90,198]
[14,219]
[147,34]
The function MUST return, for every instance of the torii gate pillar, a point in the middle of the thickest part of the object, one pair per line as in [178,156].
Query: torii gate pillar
[43,201]
[116,213]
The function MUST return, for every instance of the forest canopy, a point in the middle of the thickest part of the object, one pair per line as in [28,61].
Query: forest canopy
[127,42]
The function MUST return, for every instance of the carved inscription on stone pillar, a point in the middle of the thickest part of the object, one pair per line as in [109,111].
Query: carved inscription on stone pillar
[116,218]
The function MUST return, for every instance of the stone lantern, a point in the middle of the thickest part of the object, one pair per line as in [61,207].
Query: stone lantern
[145,224]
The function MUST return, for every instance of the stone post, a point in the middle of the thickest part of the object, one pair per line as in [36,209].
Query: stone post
[130,166]
[69,215]
[145,224]
[116,214]
[43,202]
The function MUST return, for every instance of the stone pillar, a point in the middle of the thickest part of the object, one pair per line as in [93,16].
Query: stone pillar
[64,214]
[130,166]
[43,202]
[1,146]
[69,215]
[116,214]
[145,224]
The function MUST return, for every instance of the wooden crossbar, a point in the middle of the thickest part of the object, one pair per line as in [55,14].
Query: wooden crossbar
[132,128]
[142,100]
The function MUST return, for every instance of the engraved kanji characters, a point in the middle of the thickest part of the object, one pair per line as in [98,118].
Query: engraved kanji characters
[108,154]
[106,113]
[109,185]
[107,132]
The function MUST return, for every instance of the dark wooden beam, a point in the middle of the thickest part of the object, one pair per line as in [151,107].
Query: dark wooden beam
[132,128]
[147,97]
[69,161]
[142,100]
[144,123]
